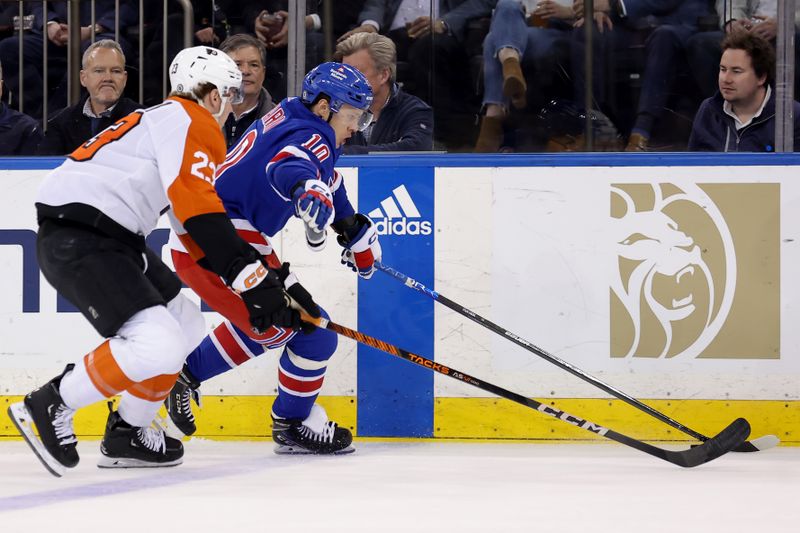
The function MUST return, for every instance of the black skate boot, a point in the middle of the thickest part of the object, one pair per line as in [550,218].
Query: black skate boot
[56,444]
[127,446]
[179,402]
[314,435]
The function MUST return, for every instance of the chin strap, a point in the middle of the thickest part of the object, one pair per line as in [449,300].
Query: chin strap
[223,102]
[218,114]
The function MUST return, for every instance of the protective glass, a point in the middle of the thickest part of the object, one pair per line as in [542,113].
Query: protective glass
[236,94]
[365,120]
[357,117]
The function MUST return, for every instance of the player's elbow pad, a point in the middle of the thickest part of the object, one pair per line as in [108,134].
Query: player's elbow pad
[226,253]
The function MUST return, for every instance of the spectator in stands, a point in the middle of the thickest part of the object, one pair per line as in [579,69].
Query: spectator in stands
[249,54]
[103,75]
[669,23]
[57,36]
[757,16]
[431,36]
[19,133]
[268,20]
[741,116]
[401,122]
[210,27]
[510,43]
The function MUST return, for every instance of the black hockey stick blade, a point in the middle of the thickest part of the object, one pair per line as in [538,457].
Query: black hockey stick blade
[725,441]
[759,444]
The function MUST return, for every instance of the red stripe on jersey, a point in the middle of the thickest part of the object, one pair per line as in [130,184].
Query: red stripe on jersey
[232,348]
[276,342]
[281,155]
[253,237]
[297,385]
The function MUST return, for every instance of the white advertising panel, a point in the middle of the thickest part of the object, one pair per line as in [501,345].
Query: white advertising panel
[664,282]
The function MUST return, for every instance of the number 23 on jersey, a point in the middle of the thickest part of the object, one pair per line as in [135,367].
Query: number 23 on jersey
[112,133]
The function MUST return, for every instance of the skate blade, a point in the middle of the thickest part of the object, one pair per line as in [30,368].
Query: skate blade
[127,462]
[284,449]
[21,417]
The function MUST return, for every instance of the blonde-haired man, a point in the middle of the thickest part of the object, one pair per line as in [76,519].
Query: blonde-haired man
[402,122]
[104,77]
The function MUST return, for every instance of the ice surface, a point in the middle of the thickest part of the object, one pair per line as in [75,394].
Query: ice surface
[405,487]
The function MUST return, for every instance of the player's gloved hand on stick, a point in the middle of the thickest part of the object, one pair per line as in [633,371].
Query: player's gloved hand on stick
[300,296]
[361,246]
[313,203]
[262,292]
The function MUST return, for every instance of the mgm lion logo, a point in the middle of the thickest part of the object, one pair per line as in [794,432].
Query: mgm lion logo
[689,259]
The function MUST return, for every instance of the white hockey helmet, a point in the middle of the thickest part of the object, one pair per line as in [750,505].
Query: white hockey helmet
[204,64]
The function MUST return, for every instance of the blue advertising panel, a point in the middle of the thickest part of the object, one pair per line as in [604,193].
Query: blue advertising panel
[395,398]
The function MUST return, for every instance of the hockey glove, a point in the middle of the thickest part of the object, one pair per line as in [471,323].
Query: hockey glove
[361,246]
[313,203]
[262,292]
[316,239]
[300,295]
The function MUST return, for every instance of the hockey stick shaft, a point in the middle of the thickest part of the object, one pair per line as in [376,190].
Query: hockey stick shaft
[519,341]
[730,437]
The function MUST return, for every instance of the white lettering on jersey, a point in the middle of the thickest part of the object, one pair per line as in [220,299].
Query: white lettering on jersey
[201,164]
[317,146]
[273,118]
[239,151]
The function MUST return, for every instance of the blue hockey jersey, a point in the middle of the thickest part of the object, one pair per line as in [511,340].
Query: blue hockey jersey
[287,145]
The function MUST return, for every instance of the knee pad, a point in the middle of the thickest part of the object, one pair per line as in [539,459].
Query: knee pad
[191,320]
[319,345]
[150,343]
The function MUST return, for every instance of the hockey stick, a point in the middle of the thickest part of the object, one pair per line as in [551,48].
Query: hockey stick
[762,443]
[729,438]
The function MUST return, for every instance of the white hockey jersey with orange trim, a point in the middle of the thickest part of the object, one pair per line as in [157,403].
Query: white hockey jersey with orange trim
[151,160]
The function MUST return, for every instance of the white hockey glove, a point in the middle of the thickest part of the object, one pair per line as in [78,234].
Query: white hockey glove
[362,249]
[313,203]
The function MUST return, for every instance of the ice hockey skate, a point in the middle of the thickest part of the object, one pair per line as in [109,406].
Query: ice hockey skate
[56,445]
[315,435]
[127,446]
[179,402]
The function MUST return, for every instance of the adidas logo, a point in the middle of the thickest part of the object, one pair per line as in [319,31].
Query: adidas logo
[393,217]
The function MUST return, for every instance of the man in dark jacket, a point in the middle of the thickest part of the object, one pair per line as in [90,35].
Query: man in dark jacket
[741,116]
[19,133]
[104,77]
[249,54]
[431,35]
[401,122]
[57,32]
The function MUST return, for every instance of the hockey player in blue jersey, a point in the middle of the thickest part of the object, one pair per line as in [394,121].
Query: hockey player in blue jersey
[283,166]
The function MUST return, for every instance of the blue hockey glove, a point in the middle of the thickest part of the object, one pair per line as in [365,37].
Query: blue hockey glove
[313,203]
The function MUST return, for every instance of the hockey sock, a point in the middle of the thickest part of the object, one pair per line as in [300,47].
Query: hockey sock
[97,377]
[140,402]
[224,348]
[299,382]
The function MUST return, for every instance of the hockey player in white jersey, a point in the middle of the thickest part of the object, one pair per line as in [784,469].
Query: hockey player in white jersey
[94,212]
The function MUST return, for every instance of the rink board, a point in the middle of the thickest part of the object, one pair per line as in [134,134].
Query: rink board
[670,277]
